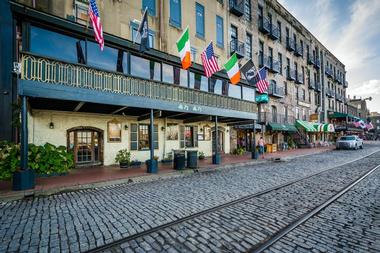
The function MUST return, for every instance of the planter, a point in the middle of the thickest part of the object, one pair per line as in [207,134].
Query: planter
[135,164]
[23,180]
[166,161]
[152,166]
[124,165]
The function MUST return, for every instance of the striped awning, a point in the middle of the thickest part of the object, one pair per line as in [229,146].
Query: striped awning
[308,126]
[326,128]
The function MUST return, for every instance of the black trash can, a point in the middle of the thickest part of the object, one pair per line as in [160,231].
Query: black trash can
[192,159]
[179,160]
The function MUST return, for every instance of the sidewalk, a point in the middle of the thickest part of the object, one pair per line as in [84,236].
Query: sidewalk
[91,177]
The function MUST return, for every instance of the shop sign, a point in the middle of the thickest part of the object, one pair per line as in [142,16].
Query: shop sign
[262,98]
[190,108]
[314,117]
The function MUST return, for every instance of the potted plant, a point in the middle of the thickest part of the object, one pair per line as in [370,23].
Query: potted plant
[123,157]
[201,155]
[135,163]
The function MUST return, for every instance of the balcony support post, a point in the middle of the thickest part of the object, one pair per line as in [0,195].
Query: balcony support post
[254,154]
[216,159]
[25,178]
[151,163]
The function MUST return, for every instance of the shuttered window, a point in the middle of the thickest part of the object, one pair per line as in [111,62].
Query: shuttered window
[175,13]
[140,137]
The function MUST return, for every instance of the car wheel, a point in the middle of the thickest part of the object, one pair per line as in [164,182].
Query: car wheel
[356,146]
[361,147]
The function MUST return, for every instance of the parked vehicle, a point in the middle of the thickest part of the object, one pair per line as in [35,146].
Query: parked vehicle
[349,142]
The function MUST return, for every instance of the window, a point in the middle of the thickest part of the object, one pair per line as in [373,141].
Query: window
[261,53]
[218,86]
[248,46]
[145,69]
[193,52]
[234,91]
[114,131]
[280,62]
[297,113]
[270,57]
[301,45]
[135,27]
[140,137]
[188,136]
[274,114]
[167,73]
[151,4]
[309,96]
[248,94]
[287,33]
[105,60]
[234,38]
[198,81]
[247,10]
[60,46]
[175,13]
[280,31]
[200,20]
[286,88]
[219,32]
[303,95]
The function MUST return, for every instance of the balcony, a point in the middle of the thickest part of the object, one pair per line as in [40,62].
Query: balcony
[237,47]
[328,71]
[237,7]
[340,80]
[299,78]
[311,84]
[291,74]
[268,117]
[310,59]
[276,91]
[317,63]
[264,25]
[57,79]
[290,44]
[345,84]
[318,86]
[274,32]
[339,97]
[298,50]
[274,67]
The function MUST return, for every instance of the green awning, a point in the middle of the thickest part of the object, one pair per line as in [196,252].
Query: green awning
[308,126]
[337,115]
[282,127]
[327,128]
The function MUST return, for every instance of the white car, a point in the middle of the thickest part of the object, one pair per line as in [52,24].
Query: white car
[349,142]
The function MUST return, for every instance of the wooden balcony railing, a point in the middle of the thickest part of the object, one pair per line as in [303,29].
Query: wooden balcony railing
[45,70]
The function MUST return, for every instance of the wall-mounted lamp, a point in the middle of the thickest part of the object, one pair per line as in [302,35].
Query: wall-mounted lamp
[201,130]
[125,127]
[162,128]
[51,125]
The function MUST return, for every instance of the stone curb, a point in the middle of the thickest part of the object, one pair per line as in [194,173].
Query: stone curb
[138,179]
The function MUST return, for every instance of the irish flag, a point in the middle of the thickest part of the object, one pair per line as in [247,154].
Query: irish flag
[183,46]
[232,68]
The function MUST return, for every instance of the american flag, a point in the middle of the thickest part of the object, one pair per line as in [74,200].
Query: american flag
[96,24]
[209,61]
[261,82]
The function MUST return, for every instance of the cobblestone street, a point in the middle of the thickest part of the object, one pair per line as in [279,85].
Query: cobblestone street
[82,220]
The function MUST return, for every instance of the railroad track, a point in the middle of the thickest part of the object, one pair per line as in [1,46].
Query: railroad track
[262,246]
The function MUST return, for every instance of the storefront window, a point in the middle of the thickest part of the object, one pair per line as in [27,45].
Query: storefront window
[189,137]
[145,69]
[143,136]
[167,73]
[106,59]
[180,77]
[234,91]
[248,94]
[55,45]
[198,82]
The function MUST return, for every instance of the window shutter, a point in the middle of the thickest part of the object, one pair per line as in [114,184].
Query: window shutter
[134,137]
[195,134]
[182,136]
[155,137]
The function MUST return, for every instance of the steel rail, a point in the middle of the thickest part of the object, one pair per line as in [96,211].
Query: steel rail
[283,232]
[216,208]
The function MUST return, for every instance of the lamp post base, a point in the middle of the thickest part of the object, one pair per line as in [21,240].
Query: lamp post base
[23,180]
[216,159]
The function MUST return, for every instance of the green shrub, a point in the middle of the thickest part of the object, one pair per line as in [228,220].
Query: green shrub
[46,159]
[201,155]
[239,151]
[123,156]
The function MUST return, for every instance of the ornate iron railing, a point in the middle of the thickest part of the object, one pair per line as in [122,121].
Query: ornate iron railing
[45,70]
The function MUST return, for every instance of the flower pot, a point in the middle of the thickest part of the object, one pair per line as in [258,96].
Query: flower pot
[124,165]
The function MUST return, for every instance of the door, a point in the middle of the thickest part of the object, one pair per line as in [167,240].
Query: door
[220,141]
[86,146]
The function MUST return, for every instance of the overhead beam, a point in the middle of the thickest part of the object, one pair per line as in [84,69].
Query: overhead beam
[119,110]
[79,105]
[197,119]
[156,114]
[176,115]
[242,122]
